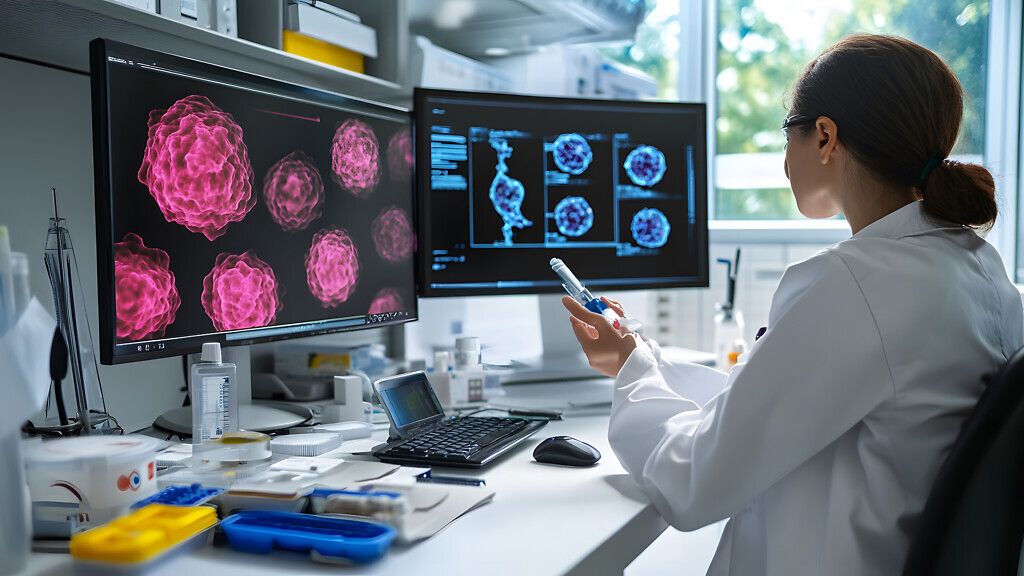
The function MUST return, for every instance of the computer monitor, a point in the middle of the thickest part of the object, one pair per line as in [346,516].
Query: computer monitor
[234,208]
[615,189]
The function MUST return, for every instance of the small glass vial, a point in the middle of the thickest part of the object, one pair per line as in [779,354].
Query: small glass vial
[214,395]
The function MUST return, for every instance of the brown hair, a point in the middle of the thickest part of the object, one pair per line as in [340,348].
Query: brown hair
[898,108]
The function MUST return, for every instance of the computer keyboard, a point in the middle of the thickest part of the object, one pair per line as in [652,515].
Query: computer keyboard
[462,442]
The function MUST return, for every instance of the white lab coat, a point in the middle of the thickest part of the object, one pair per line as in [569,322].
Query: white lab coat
[822,443]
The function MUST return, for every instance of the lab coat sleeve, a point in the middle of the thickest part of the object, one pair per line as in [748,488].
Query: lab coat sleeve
[692,381]
[816,372]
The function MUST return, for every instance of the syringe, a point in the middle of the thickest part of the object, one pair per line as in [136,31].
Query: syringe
[580,294]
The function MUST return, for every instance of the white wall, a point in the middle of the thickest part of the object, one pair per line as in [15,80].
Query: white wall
[46,141]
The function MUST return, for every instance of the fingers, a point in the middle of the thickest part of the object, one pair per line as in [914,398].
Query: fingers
[577,310]
[583,330]
[614,306]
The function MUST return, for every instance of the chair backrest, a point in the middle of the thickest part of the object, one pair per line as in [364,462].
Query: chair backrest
[973,521]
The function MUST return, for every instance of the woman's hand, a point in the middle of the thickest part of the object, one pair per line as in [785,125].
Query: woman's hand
[606,348]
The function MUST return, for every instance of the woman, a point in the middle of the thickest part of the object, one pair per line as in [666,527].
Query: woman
[822,443]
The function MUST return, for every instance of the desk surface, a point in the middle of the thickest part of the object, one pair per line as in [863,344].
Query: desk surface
[544,519]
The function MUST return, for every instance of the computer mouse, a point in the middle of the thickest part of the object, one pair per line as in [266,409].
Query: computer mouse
[567,451]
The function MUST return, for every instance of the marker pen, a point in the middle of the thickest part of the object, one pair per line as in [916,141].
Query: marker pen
[462,480]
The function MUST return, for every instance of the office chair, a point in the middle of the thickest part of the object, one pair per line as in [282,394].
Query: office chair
[973,521]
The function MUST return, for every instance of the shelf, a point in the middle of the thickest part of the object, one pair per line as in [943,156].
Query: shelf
[57,32]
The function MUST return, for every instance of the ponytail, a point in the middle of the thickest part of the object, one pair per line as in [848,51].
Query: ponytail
[960,193]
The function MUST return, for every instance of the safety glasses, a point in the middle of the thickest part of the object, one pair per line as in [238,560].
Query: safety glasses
[795,120]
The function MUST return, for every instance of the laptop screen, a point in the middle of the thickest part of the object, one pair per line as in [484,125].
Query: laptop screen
[409,399]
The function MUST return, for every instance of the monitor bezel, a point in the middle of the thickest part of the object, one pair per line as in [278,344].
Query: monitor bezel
[99,49]
[425,219]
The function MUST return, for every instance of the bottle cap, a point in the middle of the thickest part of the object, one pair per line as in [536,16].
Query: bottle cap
[211,352]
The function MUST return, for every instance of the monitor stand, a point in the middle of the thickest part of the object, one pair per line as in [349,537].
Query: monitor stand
[266,417]
[562,357]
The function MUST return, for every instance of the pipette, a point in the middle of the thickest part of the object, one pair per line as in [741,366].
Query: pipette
[579,293]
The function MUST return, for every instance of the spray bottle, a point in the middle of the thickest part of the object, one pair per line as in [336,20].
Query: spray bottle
[728,320]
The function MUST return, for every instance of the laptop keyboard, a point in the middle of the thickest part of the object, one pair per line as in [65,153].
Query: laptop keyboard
[465,442]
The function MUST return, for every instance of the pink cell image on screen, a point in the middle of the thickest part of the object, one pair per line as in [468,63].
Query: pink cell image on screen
[400,156]
[146,298]
[294,191]
[392,234]
[241,292]
[386,300]
[196,166]
[332,266]
[355,158]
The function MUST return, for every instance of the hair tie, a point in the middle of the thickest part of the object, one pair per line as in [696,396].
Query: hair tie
[931,165]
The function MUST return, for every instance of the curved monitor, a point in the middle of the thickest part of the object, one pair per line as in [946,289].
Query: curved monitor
[238,209]
[615,189]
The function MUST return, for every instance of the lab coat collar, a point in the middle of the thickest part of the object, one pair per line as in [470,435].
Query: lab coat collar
[910,220]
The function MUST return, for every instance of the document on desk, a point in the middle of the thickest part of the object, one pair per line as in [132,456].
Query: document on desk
[428,508]
[290,482]
[580,407]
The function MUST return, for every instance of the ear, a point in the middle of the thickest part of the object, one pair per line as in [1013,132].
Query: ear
[828,138]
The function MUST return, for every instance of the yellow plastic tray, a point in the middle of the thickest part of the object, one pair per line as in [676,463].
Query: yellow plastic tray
[143,534]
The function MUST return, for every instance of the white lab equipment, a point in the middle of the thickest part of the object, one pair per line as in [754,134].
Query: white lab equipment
[348,403]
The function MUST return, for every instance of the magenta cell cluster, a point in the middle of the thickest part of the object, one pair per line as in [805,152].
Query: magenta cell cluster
[386,300]
[355,158]
[332,266]
[392,234]
[145,295]
[196,166]
[241,292]
[400,156]
[294,191]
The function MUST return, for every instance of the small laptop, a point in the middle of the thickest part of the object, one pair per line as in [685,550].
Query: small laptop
[421,433]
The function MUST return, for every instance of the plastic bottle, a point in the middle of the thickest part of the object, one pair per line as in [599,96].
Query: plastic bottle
[728,320]
[739,347]
[440,377]
[214,393]
[728,330]
[22,291]
[6,282]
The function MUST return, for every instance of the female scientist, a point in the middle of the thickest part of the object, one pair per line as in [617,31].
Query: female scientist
[822,443]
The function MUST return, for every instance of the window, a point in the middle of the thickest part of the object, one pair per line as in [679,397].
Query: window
[763,45]
[742,56]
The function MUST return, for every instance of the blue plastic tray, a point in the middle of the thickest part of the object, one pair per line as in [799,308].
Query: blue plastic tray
[260,531]
[193,495]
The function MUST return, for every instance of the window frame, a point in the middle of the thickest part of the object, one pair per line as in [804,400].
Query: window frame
[697,59]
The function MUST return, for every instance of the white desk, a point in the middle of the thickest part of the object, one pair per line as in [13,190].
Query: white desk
[544,519]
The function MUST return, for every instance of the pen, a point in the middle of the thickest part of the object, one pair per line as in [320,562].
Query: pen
[549,414]
[462,480]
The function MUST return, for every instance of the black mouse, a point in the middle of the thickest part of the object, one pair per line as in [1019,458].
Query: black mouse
[567,451]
